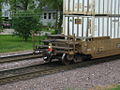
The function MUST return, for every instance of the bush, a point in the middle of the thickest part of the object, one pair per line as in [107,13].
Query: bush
[0,22]
[24,23]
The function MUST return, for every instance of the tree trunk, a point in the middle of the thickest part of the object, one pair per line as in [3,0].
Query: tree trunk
[15,6]
[59,21]
[26,5]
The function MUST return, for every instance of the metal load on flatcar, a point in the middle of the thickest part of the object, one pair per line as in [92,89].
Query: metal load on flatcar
[91,26]
[103,7]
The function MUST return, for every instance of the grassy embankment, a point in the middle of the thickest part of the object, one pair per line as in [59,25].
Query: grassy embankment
[117,88]
[9,43]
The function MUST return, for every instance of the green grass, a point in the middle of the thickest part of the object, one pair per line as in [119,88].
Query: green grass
[9,43]
[117,88]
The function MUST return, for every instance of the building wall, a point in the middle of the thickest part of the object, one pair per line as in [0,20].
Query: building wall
[6,10]
[48,18]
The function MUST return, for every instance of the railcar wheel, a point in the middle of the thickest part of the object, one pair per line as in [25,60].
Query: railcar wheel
[67,59]
[78,58]
[47,58]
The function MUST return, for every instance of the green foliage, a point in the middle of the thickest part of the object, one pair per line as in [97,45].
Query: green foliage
[11,43]
[55,4]
[24,5]
[26,17]
[117,88]
[24,22]
[0,23]
[1,14]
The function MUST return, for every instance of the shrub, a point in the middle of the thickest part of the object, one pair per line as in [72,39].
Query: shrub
[24,23]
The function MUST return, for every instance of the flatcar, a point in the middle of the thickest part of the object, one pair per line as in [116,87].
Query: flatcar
[70,49]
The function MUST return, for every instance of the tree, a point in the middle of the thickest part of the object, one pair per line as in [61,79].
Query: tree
[24,5]
[24,23]
[58,5]
[26,17]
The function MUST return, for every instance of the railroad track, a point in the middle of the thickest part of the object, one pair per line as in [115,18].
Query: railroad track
[18,57]
[46,69]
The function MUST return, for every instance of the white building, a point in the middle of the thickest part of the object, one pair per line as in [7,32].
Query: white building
[48,17]
[6,10]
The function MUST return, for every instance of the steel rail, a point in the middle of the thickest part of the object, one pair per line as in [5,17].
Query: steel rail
[23,74]
[18,57]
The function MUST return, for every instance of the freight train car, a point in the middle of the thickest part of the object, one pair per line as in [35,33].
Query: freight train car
[90,7]
[92,26]
[87,36]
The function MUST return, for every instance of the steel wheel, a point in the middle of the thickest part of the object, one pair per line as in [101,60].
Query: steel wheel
[67,59]
[47,58]
[78,58]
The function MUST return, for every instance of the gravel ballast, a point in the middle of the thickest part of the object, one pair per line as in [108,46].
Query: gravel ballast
[82,78]
[20,64]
